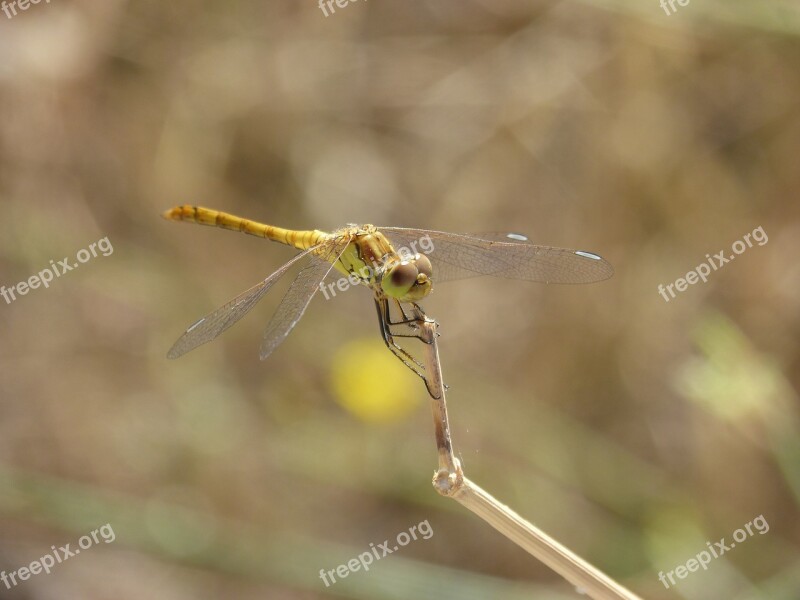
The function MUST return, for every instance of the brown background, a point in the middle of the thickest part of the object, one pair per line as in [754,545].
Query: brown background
[632,429]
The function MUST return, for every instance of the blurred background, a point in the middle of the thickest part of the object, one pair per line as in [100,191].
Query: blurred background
[632,429]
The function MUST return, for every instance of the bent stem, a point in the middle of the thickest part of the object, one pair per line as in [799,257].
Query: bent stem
[449,481]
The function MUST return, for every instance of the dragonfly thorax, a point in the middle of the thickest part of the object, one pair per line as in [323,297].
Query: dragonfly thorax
[403,275]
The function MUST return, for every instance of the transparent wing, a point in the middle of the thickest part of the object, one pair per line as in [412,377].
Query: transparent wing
[456,256]
[213,324]
[300,293]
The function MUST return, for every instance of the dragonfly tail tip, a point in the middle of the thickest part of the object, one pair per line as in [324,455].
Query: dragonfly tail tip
[171,214]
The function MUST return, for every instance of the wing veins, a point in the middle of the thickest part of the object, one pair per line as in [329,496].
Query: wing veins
[216,322]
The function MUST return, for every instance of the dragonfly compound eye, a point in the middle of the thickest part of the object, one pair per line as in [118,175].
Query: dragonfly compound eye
[424,266]
[409,280]
[400,278]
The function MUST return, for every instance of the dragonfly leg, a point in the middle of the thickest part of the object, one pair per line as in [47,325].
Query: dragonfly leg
[415,321]
[384,318]
[412,322]
[421,316]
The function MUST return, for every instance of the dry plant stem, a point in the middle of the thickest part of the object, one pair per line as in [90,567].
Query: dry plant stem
[449,481]
[447,462]
[563,561]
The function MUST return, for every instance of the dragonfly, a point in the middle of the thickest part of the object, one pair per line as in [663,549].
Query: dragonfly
[386,260]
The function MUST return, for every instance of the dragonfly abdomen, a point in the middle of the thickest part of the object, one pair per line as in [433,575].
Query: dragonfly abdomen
[214,218]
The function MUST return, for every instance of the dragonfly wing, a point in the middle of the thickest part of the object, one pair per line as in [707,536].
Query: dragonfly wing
[456,256]
[213,324]
[300,293]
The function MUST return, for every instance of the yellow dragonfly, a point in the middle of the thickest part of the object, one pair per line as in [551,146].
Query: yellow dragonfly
[399,276]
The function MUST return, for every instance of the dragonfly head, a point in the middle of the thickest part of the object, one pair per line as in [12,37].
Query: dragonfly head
[408,280]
